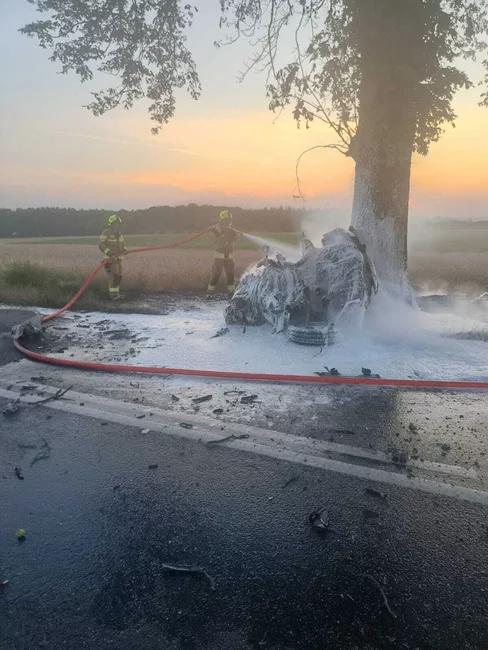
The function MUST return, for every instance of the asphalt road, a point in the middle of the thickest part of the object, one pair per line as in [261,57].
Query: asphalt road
[399,567]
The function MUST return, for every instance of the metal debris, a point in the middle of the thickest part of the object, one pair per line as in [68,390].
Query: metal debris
[234,392]
[145,431]
[199,400]
[400,457]
[185,425]
[375,493]
[58,395]
[12,408]
[43,454]
[386,604]
[319,519]
[218,411]
[220,332]
[218,441]
[18,473]
[249,399]
[333,372]
[366,373]
[192,570]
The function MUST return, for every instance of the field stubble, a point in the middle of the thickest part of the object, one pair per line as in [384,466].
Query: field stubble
[188,270]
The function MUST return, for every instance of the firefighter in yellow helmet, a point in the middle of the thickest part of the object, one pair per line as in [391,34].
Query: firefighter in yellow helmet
[113,248]
[225,237]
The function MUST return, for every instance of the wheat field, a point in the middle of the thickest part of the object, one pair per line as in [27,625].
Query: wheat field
[189,269]
[165,270]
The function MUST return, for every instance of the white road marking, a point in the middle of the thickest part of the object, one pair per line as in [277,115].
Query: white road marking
[276,445]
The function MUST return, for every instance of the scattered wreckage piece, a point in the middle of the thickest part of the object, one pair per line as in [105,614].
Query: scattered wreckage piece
[12,408]
[191,570]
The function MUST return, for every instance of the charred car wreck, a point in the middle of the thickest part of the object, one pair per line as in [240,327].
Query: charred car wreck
[328,289]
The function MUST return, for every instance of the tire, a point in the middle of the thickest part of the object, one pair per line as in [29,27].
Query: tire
[317,335]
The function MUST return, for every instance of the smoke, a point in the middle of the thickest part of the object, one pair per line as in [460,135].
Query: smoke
[317,222]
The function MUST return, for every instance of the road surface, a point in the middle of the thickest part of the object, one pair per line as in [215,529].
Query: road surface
[109,498]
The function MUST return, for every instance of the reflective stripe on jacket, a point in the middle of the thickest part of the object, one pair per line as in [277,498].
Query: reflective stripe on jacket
[111,243]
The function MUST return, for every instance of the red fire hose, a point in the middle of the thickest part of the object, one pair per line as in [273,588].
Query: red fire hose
[220,374]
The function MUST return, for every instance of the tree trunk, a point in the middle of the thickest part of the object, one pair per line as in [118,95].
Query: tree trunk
[388,33]
[380,216]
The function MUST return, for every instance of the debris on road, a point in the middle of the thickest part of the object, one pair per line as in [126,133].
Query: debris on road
[12,408]
[4,583]
[319,519]
[347,432]
[154,466]
[234,392]
[370,514]
[18,473]
[20,534]
[386,604]
[333,372]
[191,570]
[118,335]
[413,427]
[445,447]
[218,441]
[367,374]
[400,457]
[174,398]
[145,431]
[220,332]
[199,400]
[185,425]
[43,454]
[375,493]
[58,395]
[249,399]
[22,446]
[140,417]
[218,411]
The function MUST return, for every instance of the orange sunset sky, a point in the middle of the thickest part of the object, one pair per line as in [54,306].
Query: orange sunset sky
[226,149]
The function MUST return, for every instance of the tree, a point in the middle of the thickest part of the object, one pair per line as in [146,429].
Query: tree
[381,74]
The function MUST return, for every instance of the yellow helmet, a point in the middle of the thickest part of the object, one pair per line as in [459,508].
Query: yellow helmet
[225,214]
[113,219]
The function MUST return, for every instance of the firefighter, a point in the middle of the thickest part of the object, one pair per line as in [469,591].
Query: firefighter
[225,237]
[112,246]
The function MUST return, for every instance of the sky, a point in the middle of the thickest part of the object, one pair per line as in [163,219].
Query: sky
[225,149]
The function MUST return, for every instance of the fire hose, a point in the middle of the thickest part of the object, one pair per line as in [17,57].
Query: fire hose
[221,374]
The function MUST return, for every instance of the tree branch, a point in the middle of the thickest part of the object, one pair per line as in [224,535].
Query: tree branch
[338,147]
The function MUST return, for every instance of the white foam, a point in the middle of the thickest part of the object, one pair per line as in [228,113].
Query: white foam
[406,344]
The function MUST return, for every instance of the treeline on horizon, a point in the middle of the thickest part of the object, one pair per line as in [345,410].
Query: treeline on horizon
[70,222]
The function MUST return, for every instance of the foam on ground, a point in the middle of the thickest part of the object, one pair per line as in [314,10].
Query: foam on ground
[396,344]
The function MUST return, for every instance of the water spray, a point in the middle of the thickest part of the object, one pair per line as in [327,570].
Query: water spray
[270,246]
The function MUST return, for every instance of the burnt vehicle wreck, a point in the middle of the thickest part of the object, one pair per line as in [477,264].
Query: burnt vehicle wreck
[329,289]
